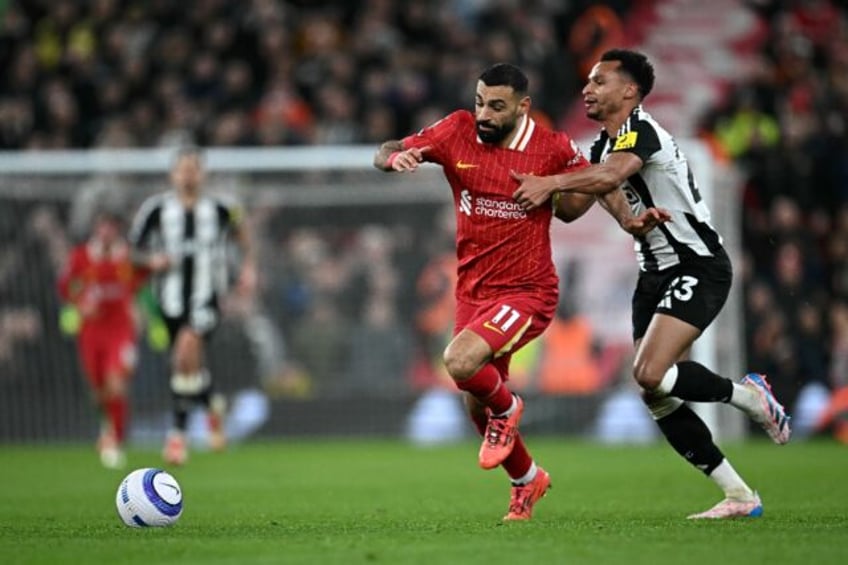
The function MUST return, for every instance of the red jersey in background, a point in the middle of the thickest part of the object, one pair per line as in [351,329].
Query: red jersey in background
[102,285]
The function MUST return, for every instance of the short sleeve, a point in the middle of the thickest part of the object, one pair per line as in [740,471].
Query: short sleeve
[434,136]
[574,158]
[145,222]
[641,140]
[230,212]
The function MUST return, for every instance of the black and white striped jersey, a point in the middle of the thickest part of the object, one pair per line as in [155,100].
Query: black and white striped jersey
[664,181]
[196,240]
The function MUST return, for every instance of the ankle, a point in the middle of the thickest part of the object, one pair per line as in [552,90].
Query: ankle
[509,411]
[743,397]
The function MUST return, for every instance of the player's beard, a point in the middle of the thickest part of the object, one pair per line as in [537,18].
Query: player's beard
[496,134]
[595,113]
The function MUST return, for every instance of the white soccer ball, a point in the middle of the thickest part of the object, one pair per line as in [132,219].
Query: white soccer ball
[149,498]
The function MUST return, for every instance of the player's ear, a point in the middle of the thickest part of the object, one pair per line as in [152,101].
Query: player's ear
[631,90]
[524,106]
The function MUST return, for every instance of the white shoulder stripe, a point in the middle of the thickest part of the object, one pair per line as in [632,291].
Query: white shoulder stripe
[518,138]
[531,127]
[520,131]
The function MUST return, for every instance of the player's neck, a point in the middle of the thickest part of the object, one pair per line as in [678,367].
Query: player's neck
[613,122]
[104,248]
[188,197]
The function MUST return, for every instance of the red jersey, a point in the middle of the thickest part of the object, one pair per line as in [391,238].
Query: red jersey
[103,284]
[501,249]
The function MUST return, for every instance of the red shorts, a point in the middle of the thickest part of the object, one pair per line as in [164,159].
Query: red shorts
[103,353]
[506,324]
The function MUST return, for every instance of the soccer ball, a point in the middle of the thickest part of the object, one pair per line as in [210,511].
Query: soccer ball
[149,498]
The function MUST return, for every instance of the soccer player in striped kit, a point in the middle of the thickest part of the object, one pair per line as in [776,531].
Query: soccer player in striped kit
[181,236]
[685,273]
[507,287]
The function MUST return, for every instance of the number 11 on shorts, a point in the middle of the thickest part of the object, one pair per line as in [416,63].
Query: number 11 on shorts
[504,319]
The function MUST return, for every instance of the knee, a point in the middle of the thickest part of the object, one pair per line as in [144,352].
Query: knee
[185,360]
[647,373]
[660,406]
[179,363]
[115,387]
[460,366]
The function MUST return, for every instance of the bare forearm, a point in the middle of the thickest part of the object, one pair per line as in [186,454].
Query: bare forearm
[569,207]
[593,180]
[381,158]
[615,203]
[637,225]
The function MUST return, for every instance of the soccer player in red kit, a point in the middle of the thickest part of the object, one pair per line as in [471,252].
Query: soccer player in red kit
[507,287]
[100,281]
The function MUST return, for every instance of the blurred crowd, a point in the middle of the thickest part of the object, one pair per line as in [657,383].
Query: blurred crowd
[130,73]
[786,125]
[123,73]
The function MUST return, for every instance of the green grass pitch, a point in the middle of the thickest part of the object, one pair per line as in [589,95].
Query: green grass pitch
[387,502]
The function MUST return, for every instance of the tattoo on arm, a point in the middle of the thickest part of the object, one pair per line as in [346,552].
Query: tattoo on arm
[381,158]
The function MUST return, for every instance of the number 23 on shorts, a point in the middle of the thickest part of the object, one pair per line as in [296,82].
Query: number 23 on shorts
[681,288]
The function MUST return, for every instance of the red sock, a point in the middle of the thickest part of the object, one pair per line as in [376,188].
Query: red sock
[519,461]
[488,387]
[480,421]
[117,409]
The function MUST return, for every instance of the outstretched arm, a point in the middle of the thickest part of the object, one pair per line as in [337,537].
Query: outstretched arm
[393,157]
[143,225]
[595,179]
[616,204]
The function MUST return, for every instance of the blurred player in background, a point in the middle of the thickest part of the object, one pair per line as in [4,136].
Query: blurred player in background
[99,282]
[182,237]
[685,273]
[507,287]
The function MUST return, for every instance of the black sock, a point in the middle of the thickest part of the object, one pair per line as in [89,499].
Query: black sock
[698,384]
[204,398]
[182,406]
[691,438]
[183,403]
[180,418]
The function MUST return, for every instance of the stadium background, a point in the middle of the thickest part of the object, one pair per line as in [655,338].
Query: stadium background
[355,287]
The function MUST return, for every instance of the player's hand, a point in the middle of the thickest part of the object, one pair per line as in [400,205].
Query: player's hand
[646,221]
[158,262]
[533,191]
[408,159]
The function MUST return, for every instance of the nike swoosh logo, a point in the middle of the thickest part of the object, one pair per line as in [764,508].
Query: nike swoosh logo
[461,165]
[490,326]
[176,490]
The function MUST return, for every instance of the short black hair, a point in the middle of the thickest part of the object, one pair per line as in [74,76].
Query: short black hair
[504,74]
[634,64]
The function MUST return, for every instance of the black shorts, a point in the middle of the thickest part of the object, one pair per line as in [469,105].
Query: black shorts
[693,291]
